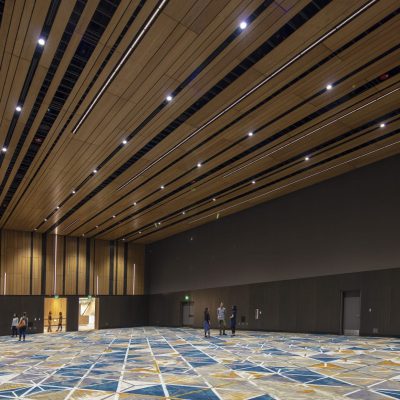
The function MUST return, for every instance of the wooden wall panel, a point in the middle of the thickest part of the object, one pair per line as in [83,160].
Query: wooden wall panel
[36,263]
[21,256]
[135,269]
[15,260]
[82,266]
[71,266]
[101,267]
[119,268]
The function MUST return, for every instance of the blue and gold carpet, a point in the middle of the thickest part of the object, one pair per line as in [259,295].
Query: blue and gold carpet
[161,363]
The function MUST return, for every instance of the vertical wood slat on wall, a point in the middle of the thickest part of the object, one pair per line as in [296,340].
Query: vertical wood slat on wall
[102,267]
[37,263]
[23,255]
[135,266]
[119,268]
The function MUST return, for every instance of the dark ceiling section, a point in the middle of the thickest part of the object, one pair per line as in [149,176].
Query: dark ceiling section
[166,165]
[1,10]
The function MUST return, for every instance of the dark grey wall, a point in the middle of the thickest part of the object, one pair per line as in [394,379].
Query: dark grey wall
[301,305]
[346,224]
[32,305]
[115,311]
[122,311]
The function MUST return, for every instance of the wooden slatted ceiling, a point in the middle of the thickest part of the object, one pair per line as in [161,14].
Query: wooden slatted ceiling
[340,126]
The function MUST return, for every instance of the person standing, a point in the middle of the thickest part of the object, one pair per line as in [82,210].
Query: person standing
[49,320]
[221,318]
[22,325]
[233,320]
[14,326]
[207,324]
[60,318]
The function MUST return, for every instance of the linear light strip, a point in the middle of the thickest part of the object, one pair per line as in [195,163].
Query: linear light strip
[296,181]
[134,278]
[119,66]
[251,91]
[55,264]
[308,134]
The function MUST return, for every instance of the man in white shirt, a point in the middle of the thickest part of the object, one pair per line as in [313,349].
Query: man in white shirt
[14,325]
[221,318]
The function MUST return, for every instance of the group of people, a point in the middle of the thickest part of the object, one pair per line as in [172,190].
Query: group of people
[18,326]
[221,312]
[50,319]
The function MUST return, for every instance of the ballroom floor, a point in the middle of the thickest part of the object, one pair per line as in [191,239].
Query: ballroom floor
[161,363]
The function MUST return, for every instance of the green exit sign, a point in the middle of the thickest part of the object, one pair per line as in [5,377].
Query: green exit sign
[187,297]
[56,296]
[89,297]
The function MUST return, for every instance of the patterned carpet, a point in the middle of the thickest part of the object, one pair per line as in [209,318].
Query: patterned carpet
[161,363]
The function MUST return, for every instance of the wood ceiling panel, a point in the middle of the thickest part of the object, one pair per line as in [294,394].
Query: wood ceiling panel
[300,117]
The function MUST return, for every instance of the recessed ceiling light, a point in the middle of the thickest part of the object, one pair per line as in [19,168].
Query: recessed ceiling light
[169,98]
[58,207]
[41,42]
[73,191]
[35,229]
[159,223]
[134,203]
[307,158]
[45,220]
[140,232]
[97,226]
[95,171]
[18,108]
[243,25]
[123,239]
[382,125]
[329,86]
[199,165]
[4,149]
[183,212]
[124,141]
[113,216]
[253,182]
[162,187]
[214,199]
[83,234]
[250,134]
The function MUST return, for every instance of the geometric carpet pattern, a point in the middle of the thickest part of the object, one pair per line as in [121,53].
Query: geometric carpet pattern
[167,363]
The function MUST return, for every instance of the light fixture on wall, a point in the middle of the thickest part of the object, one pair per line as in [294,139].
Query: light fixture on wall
[134,278]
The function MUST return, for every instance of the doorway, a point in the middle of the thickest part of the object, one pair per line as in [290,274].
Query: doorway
[87,313]
[55,315]
[188,313]
[351,312]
